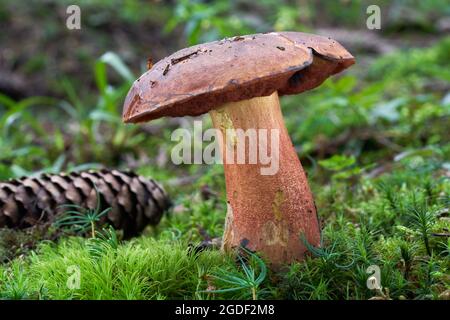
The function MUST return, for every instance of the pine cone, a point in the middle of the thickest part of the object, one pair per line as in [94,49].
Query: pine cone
[135,201]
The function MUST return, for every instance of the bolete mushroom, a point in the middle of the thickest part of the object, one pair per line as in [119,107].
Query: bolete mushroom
[238,81]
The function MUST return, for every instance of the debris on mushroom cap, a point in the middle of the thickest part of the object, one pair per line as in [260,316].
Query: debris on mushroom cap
[149,63]
[197,79]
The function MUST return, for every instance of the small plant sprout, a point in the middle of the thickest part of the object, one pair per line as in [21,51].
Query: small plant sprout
[104,241]
[329,254]
[82,219]
[422,219]
[248,282]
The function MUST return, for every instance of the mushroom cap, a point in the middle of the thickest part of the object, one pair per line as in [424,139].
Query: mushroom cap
[195,80]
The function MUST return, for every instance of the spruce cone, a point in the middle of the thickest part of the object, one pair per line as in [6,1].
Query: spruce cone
[135,201]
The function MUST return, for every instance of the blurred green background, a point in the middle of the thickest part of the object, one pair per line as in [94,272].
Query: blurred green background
[375,140]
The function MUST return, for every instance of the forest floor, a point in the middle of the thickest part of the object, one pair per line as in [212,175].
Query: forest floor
[375,143]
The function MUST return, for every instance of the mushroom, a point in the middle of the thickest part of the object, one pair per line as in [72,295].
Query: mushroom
[238,81]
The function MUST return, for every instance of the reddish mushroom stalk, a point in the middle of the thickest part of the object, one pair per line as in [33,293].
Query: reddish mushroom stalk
[267,212]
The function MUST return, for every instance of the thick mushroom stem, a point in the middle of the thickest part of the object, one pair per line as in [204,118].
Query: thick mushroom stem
[269,202]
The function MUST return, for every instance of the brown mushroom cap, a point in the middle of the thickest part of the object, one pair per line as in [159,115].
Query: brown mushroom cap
[195,80]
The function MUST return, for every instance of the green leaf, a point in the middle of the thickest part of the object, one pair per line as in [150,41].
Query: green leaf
[117,64]
[337,162]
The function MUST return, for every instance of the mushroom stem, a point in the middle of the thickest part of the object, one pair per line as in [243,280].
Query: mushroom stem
[266,212]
